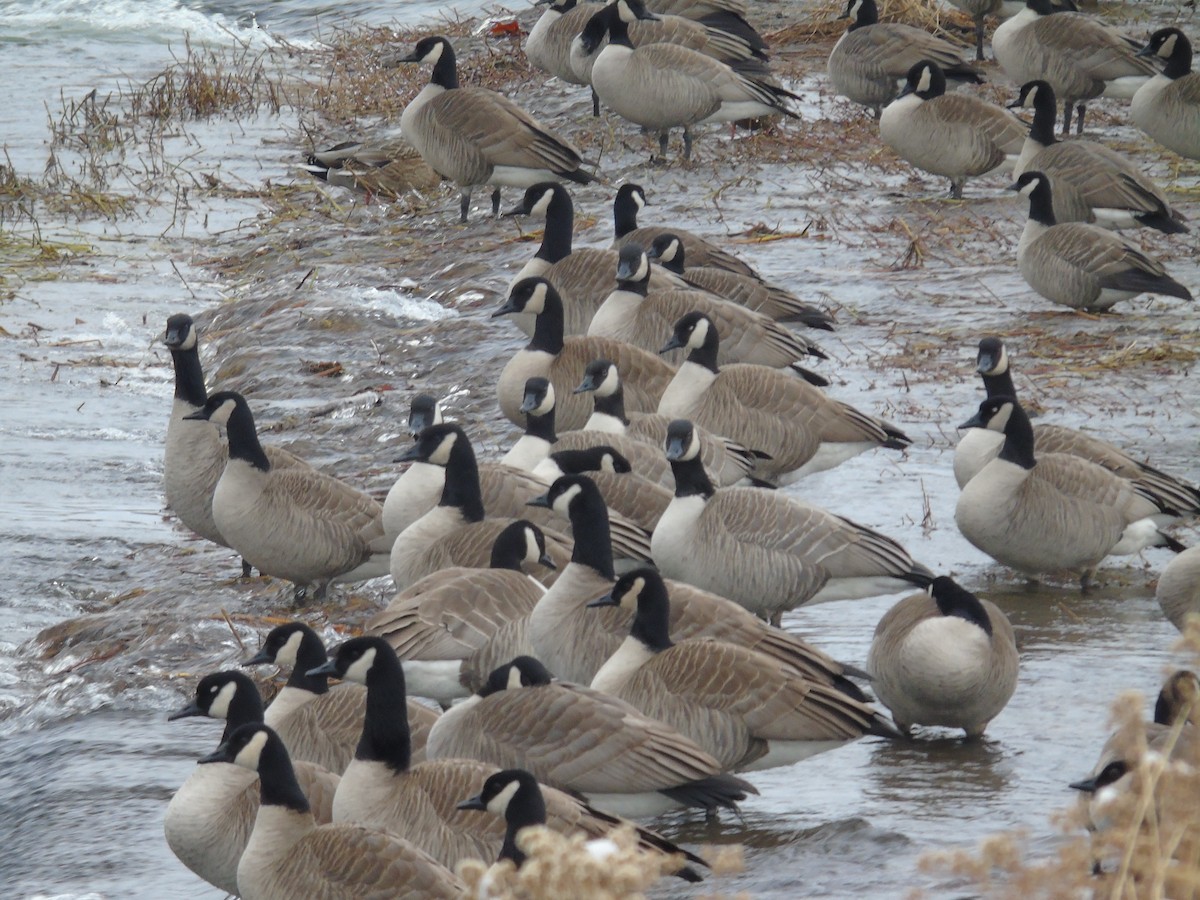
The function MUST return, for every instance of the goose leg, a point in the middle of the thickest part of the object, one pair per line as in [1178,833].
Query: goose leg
[1079,111]
[300,594]
[1066,117]
[979,39]
[956,188]
[247,569]
[464,204]
[687,143]
[496,203]
[595,104]
[662,143]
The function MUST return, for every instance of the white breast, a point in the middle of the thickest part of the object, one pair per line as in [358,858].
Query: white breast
[686,389]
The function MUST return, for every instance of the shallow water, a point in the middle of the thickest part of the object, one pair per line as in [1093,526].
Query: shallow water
[132,606]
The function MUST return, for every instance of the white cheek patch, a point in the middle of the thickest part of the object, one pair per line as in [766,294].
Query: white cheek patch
[640,199]
[189,342]
[699,334]
[498,805]
[219,708]
[537,299]
[608,464]
[926,80]
[547,403]
[435,54]
[562,503]
[532,553]
[543,204]
[441,456]
[643,269]
[612,381]
[222,413]
[999,421]
[1168,46]
[1030,187]
[249,755]
[286,656]
[625,12]
[630,598]
[693,448]
[358,670]
[514,678]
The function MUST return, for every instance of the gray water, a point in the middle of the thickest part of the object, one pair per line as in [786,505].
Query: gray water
[109,612]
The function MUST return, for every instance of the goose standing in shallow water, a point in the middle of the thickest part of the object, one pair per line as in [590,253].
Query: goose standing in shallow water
[1167,107]
[475,136]
[944,657]
[1082,266]
[1053,512]
[292,523]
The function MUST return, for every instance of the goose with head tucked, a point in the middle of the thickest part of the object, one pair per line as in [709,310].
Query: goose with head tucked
[1078,55]
[796,428]
[289,855]
[944,657]
[1091,183]
[209,819]
[870,61]
[390,168]
[561,360]
[293,523]
[586,742]
[979,446]
[454,626]
[1051,512]
[665,86]
[317,722]
[634,314]
[1082,266]
[475,136]
[632,495]
[956,135]
[578,641]
[1167,107]
[746,709]
[455,532]
[749,291]
[766,550]
[195,454]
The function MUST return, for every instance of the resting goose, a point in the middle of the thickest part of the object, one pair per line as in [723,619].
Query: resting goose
[475,136]
[293,523]
[289,855]
[1051,512]
[1082,266]
[548,44]
[944,657]
[455,532]
[586,742]
[210,817]
[1090,182]
[668,250]
[774,717]
[577,641]
[1167,107]
[316,722]
[389,169]
[958,136]
[765,550]
[634,314]
[454,626]
[562,360]
[636,498]
[1178,590]
[1080,56]
[979,446]
[728,461]
[796,428]
[195,454]
[870,61]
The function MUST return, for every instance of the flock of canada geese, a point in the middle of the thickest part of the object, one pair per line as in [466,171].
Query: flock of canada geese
[598,612]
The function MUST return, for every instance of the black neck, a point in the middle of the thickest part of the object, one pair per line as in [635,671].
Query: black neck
[1041,7]
[445,70]
[526,808]
[625,212]
[1179,63]
[675,263]
[385,735]
[1000,384]
[560,223]
[1041,204]
[245,707]
[618,31]
[310,655]
[593,538]
[548,326]
[706,354]
[953,600]
[690,478]
[868,14]
[541,426]
[277,779]
[509,550]
[1045,113]
[612,404]
[189,377]
[462,489]
[243,438]
[1018,440]
[652,621]
[641,288]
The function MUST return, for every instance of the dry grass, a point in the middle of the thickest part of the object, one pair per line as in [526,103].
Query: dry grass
[823,22]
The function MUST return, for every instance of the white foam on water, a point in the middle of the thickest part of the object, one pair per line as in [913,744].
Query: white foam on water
[388,300]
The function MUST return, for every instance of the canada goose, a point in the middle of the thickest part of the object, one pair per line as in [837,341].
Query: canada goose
[1172,732]
[796,428]
[210,817]
[1167,107]
[583,741]
[955,135]
[979,446]
[664,86]
[944,657]
[562,360]
[583,277]
[765,550]
[316,722]
[195,454]
[455,532]
[631,199]
[728,461]
[548,44]
[454,626]
[1090,182]
[389,169]
[775,718]
[293,523]
[1178,590]
[578,641]
[1053,512]
[1082,266]
[636,315]
[384,789]
[514,796]
[289,855]
[783,306]
[1077,54]
[871,60]
[624,491]
[475,136]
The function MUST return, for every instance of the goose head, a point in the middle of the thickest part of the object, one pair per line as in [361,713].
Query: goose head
[694,332]
[283,644]
[682,441]
[522,672]
[994,414]
[220,408]
[358,659]
[217,694]
[530,295]
[667,248]
[992,358]
[247,747]
[925,79]
[1036,187]
[438,444]
[602,377]
[538,399]
[539,198]
[509,789]
[594,459]
[181,333]
[522,542]
[633,268]
[423,411]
